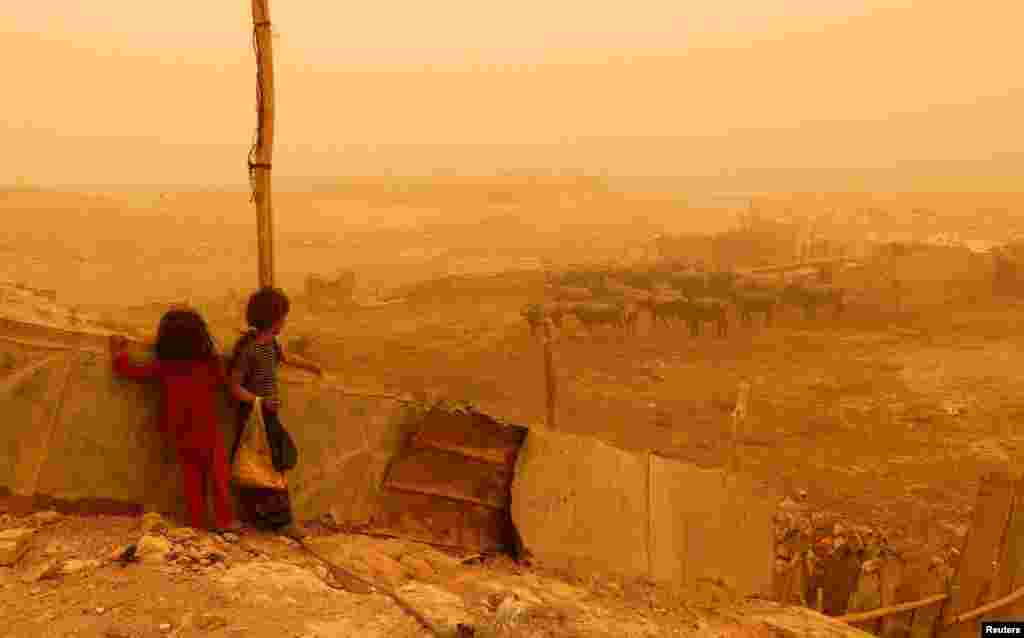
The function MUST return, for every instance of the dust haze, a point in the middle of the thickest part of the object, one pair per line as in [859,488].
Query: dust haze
[824,203]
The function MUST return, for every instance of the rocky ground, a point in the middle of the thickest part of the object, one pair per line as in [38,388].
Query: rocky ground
[131,577]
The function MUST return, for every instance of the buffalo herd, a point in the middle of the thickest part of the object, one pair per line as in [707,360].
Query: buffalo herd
[673,296]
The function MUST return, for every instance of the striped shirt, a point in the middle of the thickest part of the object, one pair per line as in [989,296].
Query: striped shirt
[258,364]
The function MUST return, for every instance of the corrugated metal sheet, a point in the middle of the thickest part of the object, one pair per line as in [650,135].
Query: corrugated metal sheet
[449,485]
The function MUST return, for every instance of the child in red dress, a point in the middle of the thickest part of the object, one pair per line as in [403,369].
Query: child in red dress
[192,376]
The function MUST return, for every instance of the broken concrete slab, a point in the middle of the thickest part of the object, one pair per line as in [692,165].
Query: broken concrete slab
[14,544]
[582,503]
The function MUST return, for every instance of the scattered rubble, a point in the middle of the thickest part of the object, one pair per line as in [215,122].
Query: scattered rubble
[14,544]
[260,580]
[153,549]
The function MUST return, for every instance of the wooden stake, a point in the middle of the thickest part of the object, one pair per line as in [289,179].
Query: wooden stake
[981,551]
[1011,561]
[739,417]
[262,153]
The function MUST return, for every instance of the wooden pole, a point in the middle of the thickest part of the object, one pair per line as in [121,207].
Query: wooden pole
[1011,562]
[261,155]
[982,549]
[739,417]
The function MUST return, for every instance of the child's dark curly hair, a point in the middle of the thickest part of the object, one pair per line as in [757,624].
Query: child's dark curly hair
[266,307]
[183,336]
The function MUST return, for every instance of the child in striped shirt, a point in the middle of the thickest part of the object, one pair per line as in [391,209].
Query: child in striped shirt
[253,374]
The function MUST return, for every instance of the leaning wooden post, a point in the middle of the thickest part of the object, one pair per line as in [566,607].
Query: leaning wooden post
[262,151]
[549,374]
[1011,563]
[976,572]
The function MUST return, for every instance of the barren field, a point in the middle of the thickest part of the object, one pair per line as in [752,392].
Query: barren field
[885,419]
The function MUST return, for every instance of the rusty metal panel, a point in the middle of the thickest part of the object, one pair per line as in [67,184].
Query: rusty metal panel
[440,521]
[449,475]
[471,434]
[450,485]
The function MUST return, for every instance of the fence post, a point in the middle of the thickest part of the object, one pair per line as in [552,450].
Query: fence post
[739,418]
[975,573]
[1011,563]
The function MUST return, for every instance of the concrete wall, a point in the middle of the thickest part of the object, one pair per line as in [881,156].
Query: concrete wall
[73,431]
[580,503]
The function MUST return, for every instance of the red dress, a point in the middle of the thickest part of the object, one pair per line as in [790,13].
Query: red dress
[189,417]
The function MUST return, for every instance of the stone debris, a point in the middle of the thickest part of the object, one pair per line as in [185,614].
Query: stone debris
[182,534]
[510,613]
[46,518]
[75,566]
[492,598]
[152,549]
[153,523]
[210,622]
[14,544]
[47,569]
[56,548]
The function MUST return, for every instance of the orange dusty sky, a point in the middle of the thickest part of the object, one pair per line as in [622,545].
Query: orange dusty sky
[127,92]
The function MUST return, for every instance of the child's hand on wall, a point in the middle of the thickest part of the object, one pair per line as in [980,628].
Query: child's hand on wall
[117,344]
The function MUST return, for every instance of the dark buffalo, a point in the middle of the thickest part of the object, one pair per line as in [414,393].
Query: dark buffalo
[721,284]
[592,315]
[752,302]
[689,285]
[811,297]
[663,311]
[640,280]
[708,309]
[695,312]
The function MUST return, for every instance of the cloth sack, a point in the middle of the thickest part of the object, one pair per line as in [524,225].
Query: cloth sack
[254,464]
